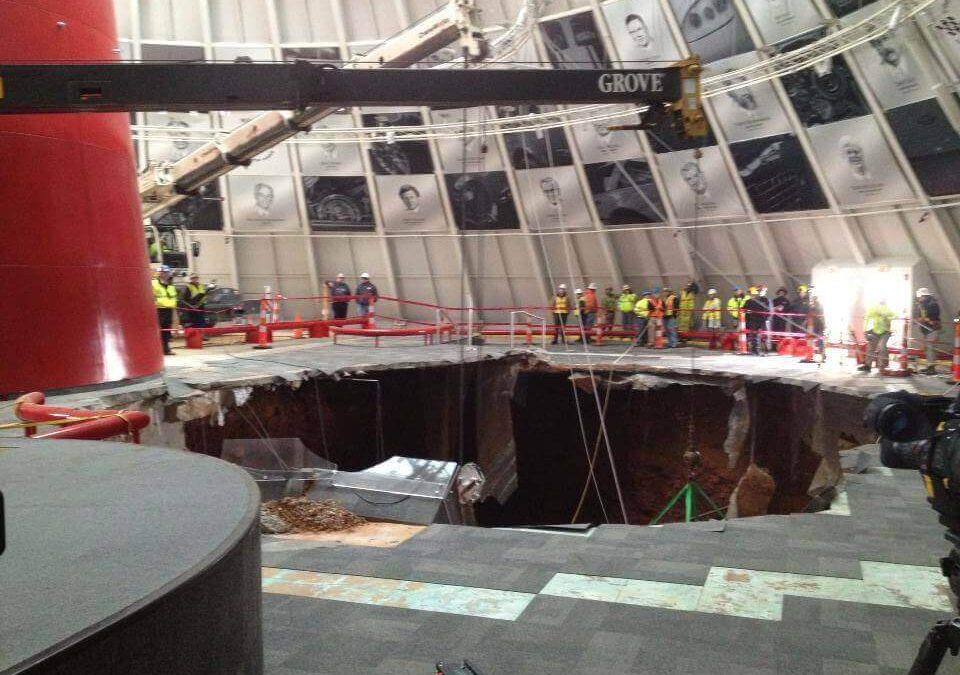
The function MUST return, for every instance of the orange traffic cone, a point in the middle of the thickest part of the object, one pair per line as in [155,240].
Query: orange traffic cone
[263,339]
[297,331]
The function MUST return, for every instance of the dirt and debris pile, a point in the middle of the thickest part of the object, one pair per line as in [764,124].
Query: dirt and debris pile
[300,514]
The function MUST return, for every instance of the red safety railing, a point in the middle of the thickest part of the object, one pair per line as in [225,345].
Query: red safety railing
[76,423]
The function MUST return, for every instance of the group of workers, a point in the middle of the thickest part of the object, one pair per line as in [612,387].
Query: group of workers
[190,298]
[657,311]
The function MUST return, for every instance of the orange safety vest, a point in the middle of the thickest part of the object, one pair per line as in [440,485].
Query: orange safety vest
[656,307]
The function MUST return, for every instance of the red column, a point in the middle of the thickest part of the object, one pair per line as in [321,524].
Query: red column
[75,301]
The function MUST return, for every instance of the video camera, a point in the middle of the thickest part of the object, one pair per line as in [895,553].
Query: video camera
[923,433]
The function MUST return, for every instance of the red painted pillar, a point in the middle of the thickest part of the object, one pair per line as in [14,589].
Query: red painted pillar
[75,301]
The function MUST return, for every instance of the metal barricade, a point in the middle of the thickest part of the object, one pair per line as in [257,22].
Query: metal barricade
[543,327]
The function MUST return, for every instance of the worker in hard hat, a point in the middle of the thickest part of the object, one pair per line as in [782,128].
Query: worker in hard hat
[735,304]
[671,312]
[608,304]
[641,312]
[627,302]
[711,310]
[590,309]
[876,326]
[688,303]
[781,306]
[757,311]
[655,317]
[366,295]
[340,293]
[191,301]
[928,319]
[561,310]
[165,300]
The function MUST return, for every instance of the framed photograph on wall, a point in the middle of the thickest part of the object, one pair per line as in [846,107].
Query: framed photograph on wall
[482,201]
[338,203]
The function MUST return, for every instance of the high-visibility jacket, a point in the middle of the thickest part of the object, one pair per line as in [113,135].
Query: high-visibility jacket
[877,319]
[561,304]
[711,309]
[164,295]
[590,301]
[656,307]
[734,305]
[609,303]
[627,301]
[688,302]
[642,308]
[670,306]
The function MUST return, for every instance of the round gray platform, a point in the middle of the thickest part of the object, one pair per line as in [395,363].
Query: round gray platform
[122,558]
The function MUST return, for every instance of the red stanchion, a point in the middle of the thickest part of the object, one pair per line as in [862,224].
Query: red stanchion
[956,350]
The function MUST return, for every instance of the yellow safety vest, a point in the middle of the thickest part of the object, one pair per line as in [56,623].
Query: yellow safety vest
[164,295]
[687,300]
[195,290]
[561,304]
[642,308]
[734,305]
[627,301]
[711,310]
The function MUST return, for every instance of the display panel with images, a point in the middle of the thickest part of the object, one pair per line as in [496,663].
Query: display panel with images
[946,27]
[750,111]
[202,211]
[823,98]
[338,203]
[699,187]
[473,153]
[640,33]
[931,144]
[858,163]
[176,140]
[712,28]
[552,199]
[890,66]
[400,157]
[598,143]
[273,161]
[320,158]
[316,55]
[624,192]
[844,7]
[176,53]
[410,204]
[781,19]
[573,42]
[535,149]
[263,203]
[482,201]
[665,137]
[777,175]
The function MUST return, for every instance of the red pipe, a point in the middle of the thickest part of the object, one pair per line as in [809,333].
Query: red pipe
[105,423]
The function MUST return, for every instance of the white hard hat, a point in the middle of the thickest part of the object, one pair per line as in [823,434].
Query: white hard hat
[341,275]
[578,291]
[712,291]
[923,291]
[562,287]
[592,286]
[364,275]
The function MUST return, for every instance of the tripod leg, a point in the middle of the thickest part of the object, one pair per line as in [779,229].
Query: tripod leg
[945,635]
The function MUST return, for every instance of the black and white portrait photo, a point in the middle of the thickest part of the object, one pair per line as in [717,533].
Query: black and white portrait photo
[262,203]
[482,201]
[552,199]
[699,187]
[598,143]
[823,98]
[174,141]
[202,211]
[640,33]
[410,203]
[859,166]
[320,156]
[398,157]
[470,154]
[712,28]
[777,175]
[782,19]
[338,203]
[749,111]
[535,149]
[931,144]
[573,42]
[624,192]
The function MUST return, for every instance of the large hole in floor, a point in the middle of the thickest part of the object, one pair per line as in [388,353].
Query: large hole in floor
[533,431]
